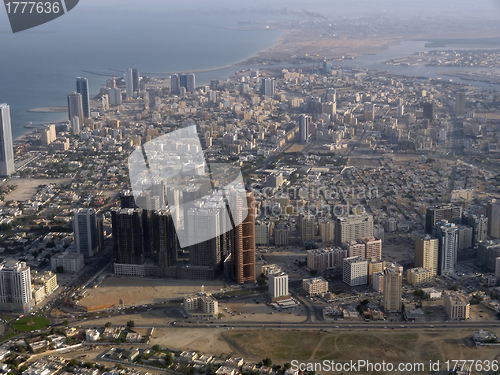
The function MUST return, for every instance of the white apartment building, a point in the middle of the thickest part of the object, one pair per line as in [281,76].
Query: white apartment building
[15,286]
[278,285]
[355,271]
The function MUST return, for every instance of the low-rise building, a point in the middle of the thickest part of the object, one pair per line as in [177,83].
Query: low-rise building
[315,286]
[485,338]
[456,305]
[201,304]
[418,275]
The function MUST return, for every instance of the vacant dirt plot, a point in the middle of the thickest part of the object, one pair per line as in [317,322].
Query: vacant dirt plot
[391,346]
[26,187]
[138,291]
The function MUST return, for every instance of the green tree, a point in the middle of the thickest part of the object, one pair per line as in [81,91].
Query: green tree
[73,362]
[267,362]
[157,348]
[130,324]
[107,325]
[287,366]
[65,322]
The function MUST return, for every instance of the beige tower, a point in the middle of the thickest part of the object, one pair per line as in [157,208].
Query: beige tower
[393,288]
[426,253]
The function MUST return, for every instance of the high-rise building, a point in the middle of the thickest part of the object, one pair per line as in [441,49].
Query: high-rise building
[175,84]
[426,253]
[325,259]
[487,252]
[205,222]
[355,271]
[479,224]
[82,87]
[307,228]
[6,149]
[135,80]
[428,110]
[464,237]
[129,83]
[128,235]
[447,234]
[304,128]
[281,235]
[267,88]
[278,286]
[242,242]
[262,233]
[115,96]
[327,231]
[15,286]
[374,266]
[75,107]
[393,288]
[493,212]
[165,243]
[85,231]
[373,247]
[190,82]
[352,228]
[460,104]
[449,212]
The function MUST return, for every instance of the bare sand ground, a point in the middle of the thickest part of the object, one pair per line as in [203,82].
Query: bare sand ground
[26,187]
[339,345]
[137,291]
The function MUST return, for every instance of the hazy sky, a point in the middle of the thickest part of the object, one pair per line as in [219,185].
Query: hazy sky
[331,8]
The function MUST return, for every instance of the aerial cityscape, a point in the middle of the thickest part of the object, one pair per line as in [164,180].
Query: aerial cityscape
[327,204]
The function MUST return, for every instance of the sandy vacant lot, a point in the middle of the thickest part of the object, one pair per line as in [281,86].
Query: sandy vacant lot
[137,291]
[399,346]
[26,187]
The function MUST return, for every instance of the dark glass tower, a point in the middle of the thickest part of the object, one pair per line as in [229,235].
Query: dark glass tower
[82,87]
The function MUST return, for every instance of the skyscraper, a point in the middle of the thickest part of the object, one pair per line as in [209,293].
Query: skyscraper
[6,150]
[190,82]
[434,215]
[307,228]
[447,234]
[129,83]
[393,288]
[304,128]
[165,243]
[175,84]
[479,224]
[128,235]
[75,107]
[493,212]
[428,112]
[460,104]
[426,253]
[85,231]
[15,286]
[135,80]
[205,222]
[267,88]
[82,87]
[242,242]
[183,80]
